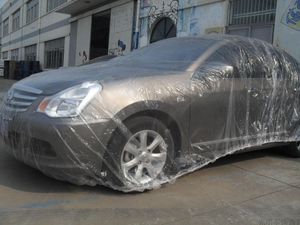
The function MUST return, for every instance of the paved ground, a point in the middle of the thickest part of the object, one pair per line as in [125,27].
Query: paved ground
[252,188]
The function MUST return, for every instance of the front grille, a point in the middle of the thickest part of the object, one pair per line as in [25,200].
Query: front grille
[19,98]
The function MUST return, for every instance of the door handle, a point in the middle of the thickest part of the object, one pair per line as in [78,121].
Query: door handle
[253,91]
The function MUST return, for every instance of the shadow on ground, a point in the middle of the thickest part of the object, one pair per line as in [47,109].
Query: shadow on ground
[18,176]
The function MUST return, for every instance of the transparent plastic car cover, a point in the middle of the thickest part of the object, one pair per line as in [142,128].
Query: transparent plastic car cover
[163,111]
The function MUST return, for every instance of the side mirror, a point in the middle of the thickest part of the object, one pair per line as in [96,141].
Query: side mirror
[217,69]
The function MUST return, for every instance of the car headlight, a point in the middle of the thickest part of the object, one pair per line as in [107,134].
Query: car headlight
[70,102]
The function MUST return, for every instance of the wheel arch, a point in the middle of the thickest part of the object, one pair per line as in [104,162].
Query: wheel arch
[158,110]
[167,120]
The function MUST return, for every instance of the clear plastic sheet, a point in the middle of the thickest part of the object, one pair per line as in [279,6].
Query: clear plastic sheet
[159,113]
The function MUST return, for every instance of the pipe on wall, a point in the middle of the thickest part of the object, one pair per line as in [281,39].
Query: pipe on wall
[136,33]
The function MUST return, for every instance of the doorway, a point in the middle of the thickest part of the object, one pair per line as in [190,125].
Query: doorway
[164,28]
[100,34]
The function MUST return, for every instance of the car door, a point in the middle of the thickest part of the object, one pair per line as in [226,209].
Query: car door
[259,93]
[218,109]
[271,101]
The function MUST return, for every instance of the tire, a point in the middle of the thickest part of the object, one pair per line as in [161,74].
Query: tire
[118,153]
[294,150]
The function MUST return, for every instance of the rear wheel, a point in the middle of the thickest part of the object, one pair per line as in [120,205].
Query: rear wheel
[294,150]
[143,154]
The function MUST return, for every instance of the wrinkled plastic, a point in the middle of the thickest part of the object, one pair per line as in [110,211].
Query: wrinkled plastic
[207,97]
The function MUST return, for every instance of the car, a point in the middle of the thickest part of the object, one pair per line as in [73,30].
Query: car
[138,121]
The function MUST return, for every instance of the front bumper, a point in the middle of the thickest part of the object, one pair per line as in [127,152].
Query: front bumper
[66,149]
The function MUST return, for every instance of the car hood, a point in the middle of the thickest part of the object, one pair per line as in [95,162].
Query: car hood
[51,82]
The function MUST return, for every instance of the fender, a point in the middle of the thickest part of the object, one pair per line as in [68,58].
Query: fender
[180,116]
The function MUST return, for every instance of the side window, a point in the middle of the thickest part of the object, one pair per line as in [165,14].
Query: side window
[221,64]
[262,61]
[291,67]
[246,59]
[255,65]
[285,66]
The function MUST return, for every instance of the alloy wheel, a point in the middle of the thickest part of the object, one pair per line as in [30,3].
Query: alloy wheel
[144,157]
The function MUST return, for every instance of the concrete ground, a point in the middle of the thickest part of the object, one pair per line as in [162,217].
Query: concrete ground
[251,188]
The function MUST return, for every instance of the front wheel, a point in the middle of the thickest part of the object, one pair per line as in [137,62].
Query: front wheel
[143,154]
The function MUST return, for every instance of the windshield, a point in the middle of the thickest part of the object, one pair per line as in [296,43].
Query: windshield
[171,54]
[98,60]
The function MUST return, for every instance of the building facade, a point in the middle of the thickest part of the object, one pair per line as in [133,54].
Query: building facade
[71,32]
[32,30]
[170,18]
[99,28]
[287,27]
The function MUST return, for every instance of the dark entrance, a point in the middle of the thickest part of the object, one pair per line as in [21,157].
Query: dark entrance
[100,34]
[164,28]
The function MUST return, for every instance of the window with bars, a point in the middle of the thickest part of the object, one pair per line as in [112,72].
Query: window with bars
[30,53]
[14,55]
[54,53]
[52,4]
[252,12]
[5,55]
[16,20]
[6,27]
[32,10]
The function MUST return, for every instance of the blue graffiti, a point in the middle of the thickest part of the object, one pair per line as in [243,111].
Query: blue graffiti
[293,15]
[298,4]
